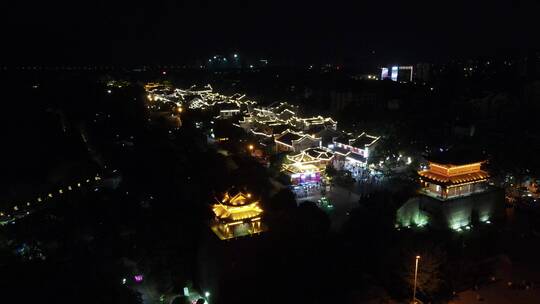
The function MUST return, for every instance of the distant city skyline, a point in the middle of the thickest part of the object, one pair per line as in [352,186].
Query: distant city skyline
[170,32]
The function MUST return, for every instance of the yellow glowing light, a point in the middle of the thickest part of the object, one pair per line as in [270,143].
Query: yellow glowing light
[236,208]
[452,170]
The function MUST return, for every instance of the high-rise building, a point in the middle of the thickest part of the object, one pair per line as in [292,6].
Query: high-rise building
[384,73]
[422,72]
[398,73]
[405,73]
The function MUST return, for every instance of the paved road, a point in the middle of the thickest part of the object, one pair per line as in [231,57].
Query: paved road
[343,201]
[499,292]
[25,209]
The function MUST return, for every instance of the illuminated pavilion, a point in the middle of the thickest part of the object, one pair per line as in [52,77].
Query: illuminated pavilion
[445,181]
[237,214]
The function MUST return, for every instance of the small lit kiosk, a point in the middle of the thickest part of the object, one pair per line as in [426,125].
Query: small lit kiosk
[454,193]
[237,214]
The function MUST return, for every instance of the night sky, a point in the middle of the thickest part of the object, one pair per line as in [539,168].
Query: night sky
[176,31]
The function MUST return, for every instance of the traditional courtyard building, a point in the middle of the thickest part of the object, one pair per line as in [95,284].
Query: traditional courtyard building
[307,166]
[228,110]
[353,152]
[237,213]
[295,141]
[454,192]
[445,181]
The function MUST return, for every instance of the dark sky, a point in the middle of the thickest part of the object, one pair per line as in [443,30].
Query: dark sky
[174,31]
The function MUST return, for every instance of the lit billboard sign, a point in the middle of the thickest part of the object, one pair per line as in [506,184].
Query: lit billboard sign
[394,73]
[384,73]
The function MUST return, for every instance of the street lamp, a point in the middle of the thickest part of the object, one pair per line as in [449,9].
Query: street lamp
[250,147]
[415,276]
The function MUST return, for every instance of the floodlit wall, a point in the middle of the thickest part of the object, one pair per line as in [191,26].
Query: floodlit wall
[410,214]
[452,213]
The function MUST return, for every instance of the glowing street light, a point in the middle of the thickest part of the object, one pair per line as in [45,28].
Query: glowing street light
[250,147]
[415,276]
[207,294]
[235,55]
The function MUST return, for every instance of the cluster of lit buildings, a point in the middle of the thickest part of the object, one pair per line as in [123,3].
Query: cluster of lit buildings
[310,143]
[281,126]
[272,121]
[453,192]
[316,139]
[199,98]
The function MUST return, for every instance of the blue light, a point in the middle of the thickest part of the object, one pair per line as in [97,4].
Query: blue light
[394,74]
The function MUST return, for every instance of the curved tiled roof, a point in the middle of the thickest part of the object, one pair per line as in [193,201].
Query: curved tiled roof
[237,213]
[454,180]
[301,168]
[288,136]
[236,205]
[364,140]
[236,197]
[311,155]
[320,153]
